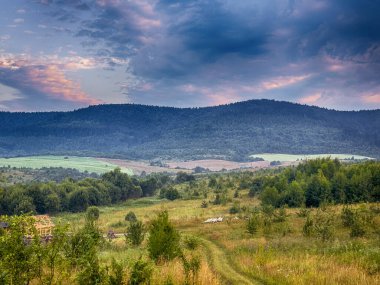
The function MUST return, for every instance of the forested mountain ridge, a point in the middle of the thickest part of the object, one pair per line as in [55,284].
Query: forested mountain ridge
[231,131]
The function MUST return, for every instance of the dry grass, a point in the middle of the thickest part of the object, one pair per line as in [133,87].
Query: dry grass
[273,258]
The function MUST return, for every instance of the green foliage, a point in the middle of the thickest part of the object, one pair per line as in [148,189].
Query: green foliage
[135,233]
[141,273]
[163,241]
[191,268]
[324,225]
[92,213]
[170,193]
[280,215]
[191,242]
[316,182]
[235,208]
[184,177]
[253,223]
[131,217]
[308,227]
[359,221]
[270,196]
[19,257]
[115,273]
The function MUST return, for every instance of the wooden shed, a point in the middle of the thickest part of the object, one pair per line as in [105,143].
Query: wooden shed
[44,225]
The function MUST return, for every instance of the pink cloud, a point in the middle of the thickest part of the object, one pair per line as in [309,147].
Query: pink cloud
[46,78]
[274,83]
[310,99]
[282,81]
[215,96]
[372,98]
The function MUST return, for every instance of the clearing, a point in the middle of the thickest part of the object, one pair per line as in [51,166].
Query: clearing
[81,163]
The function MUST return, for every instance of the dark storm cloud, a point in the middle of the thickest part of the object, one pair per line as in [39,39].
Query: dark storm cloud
[313,51]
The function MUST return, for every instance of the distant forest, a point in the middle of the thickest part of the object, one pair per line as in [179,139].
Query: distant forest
[231,131]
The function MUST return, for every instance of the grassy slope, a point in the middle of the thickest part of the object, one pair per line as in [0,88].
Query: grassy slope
[81,163]
[281,256]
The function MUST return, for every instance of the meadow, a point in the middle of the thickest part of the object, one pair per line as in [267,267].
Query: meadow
[276,254]
[88,164]
[294,157]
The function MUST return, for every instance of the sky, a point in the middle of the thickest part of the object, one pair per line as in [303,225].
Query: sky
[68,54]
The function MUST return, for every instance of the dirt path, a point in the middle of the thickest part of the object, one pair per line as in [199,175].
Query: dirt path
[221,264]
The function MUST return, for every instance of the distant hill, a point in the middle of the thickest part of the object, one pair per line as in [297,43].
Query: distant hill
[231,131]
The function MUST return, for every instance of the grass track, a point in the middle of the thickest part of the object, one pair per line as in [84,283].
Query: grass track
[222,265]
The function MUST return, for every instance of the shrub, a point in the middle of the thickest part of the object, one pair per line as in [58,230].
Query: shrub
[308,227]
[253,224]
[170,194]
[347,216]
[141,273]
[280,215]
[191,242]
[135,233]
[191,267]
[324,227]
[303,212]
[163,242]
[217,200]
[131,217]
[92,213]
[235,208]
[204,204]
[115,273]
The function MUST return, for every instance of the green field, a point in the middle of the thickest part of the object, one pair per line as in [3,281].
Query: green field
[295,157]
[81,163]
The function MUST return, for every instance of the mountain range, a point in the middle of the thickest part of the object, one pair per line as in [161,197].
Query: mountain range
[232,131]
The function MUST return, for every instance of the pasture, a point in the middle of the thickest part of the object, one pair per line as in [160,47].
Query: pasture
[80,163]
[294,157]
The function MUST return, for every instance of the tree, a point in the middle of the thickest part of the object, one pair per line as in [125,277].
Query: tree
[92,213]
[294,195]
[135,233]
[131,217]
[270,196]
[78,200]
[163,242]
[184,177]
[318,190]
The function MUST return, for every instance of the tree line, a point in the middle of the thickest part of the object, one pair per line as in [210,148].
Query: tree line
[76,196]
[319,181]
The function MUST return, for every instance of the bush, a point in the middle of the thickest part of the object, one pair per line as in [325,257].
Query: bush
[191,267]
[204,204]
[131,217]
[253,224]
[324,227]
[115,273]
[347,216]
[235,209]
[163,242]
[170,194]
[280,215]
[308,227]
[191,242]
[141,273]
[92,213]
[135,233]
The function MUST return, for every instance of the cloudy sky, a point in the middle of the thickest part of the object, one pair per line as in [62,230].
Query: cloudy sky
[67,54]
